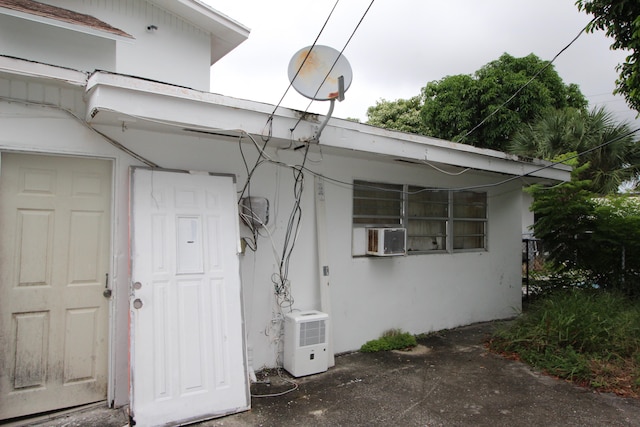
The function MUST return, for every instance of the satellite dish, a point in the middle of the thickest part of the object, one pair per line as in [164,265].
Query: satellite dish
[311,68]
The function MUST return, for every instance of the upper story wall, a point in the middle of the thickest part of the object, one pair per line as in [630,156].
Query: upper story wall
[176,52]
[165,46]
[41,42]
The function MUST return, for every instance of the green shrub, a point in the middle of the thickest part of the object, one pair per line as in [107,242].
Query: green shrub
[586,235]
[393,339]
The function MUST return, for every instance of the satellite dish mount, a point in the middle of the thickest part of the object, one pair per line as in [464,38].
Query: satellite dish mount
[320,73]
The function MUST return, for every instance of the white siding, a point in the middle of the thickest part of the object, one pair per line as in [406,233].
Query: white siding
[44,43]
[177,52]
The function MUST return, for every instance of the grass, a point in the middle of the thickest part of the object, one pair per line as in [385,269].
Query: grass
[393,339]
[589,337]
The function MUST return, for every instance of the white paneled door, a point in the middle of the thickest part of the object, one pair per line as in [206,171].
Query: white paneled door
[54,258]
[188,357]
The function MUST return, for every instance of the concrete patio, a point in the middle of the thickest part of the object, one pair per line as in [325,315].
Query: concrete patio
[450,380]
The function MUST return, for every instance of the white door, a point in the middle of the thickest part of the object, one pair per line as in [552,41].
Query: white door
[54,257]
[187,343]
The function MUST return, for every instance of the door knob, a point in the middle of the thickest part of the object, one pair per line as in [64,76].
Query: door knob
[137,303]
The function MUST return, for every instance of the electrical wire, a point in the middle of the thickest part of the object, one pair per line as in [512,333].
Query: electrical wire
[333,65]
[303,61]
[268,127]
[293,383]
[111,141]
[264,156]
[281,280]
[547,65]
[444,171]
[474,187]
[604,144]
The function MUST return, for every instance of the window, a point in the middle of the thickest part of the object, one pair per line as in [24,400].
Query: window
[469,220]
[427,217]
[435,219]
[377,205]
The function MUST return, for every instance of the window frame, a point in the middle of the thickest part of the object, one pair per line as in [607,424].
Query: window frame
[383,188]
[470,220]
[446,242]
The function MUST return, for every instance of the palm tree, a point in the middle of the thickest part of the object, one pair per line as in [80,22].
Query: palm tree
[608,146]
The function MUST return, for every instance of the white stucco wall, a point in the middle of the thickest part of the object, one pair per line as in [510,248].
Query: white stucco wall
[418,293]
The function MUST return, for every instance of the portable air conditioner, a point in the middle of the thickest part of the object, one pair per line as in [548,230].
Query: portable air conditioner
[386,241]
[305,343]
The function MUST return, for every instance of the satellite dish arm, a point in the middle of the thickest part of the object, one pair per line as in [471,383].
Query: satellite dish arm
[340,97]
[316,138]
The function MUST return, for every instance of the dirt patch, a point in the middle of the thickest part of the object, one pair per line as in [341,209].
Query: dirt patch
[418,350]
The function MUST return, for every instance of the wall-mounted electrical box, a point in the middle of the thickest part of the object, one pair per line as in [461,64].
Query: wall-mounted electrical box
[254,211]
[386,241]
[305,343]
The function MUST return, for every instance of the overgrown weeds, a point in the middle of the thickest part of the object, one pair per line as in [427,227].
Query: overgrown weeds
[393,339]
[586,336]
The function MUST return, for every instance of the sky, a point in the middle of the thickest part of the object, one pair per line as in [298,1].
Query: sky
[401,45]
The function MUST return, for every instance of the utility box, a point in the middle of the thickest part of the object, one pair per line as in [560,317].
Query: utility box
[305,343]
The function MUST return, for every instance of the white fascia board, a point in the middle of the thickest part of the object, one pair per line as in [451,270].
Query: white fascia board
[421,148]
[180,107]
[110,98]
[21,67]
[226,33]
[66,25]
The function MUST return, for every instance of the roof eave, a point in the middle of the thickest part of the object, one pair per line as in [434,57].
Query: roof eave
[109,100]
[110,33]
[226,33]
[32,69]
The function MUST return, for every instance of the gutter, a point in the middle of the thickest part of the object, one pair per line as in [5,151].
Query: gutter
[22,67]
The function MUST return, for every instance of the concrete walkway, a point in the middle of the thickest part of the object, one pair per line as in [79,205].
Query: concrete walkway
[451,380]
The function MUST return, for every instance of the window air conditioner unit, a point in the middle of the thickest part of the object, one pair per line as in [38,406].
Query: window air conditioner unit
[386,241]
[305,343]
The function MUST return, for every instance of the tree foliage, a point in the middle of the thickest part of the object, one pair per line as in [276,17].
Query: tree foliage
[486,109]
[450,108]
[621,21]
[401,114]
[612,152]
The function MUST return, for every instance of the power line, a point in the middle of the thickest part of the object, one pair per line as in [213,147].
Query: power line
[494,112]
[304,60]
[480,186]
[334,63]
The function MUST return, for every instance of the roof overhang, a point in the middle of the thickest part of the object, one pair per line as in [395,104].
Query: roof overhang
[109,102]
[114,101]
[62,18]
[37,70]
[226,33]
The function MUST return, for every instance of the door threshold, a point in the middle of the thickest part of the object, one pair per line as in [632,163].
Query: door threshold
[97,413]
